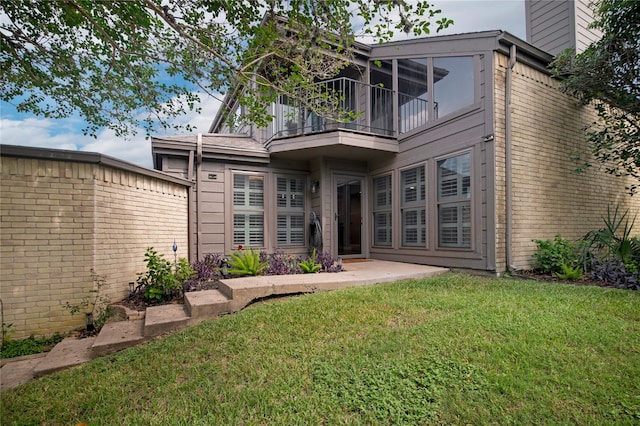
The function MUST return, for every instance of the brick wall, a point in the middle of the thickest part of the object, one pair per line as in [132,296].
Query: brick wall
[61,219]
[549,198]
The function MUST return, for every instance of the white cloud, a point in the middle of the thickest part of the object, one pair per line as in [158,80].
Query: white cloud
[483,15]
[67,134]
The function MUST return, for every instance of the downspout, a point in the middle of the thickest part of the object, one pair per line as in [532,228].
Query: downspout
[508,159]
[193,255]
[199,196]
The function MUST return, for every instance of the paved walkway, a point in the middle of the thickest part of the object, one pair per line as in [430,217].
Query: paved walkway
[234,295]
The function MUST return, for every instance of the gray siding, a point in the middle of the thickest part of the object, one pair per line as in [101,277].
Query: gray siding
[556,25]
[584,35]
[550,24]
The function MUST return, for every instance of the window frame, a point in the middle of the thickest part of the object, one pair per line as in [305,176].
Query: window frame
[247,210]
[419,205]
[289,211]
[465,199]
[478,60]
[386,209]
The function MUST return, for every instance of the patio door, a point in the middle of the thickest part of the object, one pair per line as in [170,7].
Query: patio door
[348,215]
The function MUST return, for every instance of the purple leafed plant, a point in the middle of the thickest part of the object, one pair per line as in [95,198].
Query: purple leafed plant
[328,262]
[281,263]
[206,269]
[613,272]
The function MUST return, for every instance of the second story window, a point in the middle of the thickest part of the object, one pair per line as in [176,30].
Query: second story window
[455,89]
[427,89]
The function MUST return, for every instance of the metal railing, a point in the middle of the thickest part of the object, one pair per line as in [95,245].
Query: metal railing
[413,112]
[345,104]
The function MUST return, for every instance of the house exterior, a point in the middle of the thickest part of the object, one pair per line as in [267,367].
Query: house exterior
[458,155]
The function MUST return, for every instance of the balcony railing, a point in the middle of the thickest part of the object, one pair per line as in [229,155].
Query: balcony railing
[347,110]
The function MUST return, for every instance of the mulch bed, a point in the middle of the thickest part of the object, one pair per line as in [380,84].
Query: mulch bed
[534,275]
[137,302]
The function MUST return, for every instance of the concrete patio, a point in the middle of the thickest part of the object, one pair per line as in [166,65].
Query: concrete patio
[232,296]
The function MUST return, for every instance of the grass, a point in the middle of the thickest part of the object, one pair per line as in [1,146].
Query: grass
[450,350]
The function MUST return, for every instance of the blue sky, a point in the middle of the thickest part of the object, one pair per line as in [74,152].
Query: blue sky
[28,130]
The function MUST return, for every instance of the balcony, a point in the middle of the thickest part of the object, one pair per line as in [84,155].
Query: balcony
[357,115]
[346,109]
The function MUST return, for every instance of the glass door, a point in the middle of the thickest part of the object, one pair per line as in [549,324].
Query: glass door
[348,215]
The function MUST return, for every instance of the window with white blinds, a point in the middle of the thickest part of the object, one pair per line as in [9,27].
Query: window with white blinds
[382,229]
[454,201]
[413,207]
[290,202]
[248,210]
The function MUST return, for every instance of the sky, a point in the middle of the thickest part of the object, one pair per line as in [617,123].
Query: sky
[28,130]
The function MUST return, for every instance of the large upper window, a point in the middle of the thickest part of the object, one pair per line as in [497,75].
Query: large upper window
[382,211]
[431,88]
[454,201]
[290,202]
[453,84]
[248,210]
[381,82]
[413,208]
[413,93]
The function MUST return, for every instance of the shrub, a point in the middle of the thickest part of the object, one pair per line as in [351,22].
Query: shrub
[570,272]
[246,262]
[553,254]
[204,270]
[328,262]
[615,240]
[309,265]
[162,280]
[96,306]
[614,272]
[280,263]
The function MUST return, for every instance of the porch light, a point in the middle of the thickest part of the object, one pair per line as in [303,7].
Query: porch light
[131,287]
[315,185]
[175,251]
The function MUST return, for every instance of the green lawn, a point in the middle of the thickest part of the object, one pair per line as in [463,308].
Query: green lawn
[450,350]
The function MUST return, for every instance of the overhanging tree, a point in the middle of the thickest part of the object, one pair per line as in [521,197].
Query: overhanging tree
[607,74]
[123,64]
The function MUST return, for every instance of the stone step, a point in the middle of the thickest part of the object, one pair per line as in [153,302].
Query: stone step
[70,352]
[116,336]
[164,318]
[206,304]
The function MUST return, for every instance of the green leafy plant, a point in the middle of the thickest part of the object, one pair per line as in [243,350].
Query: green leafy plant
[29,346]
[96,305]
[569,272]
[183,270]
[309,266]
[7,332]
[615,239]
[163,280]
[553,254]
[246,262]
